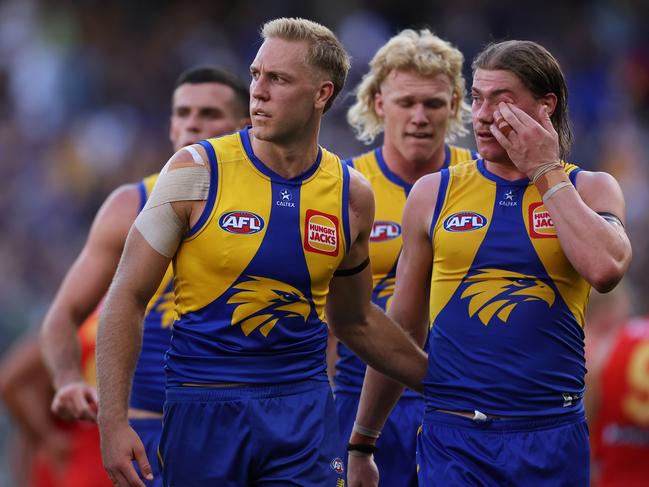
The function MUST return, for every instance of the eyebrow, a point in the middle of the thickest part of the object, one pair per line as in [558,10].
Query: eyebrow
[501,91]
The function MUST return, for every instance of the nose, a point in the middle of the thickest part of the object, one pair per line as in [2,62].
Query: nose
[419,117]
[484,112]
[258,88]
[193,123]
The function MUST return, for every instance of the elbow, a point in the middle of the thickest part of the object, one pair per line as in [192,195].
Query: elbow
[606,275]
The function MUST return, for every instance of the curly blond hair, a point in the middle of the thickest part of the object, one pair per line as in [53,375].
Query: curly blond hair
[422,53]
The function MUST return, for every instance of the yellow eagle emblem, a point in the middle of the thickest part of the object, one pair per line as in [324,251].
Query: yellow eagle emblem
[498,292]
[263,301]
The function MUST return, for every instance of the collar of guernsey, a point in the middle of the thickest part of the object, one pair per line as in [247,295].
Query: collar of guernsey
[390,193]
[252,277]
[506,305]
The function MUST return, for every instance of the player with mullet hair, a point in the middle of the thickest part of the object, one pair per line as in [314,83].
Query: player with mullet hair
[266,229]
[499,256]
[207,101]
[415,94]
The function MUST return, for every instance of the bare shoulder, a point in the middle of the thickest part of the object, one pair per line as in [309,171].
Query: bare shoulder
[361,196]
[601,192]
[425,190]
[191,156]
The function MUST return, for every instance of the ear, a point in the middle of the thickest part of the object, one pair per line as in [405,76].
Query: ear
[454,103]
[325,92]
[550,102]
[378,104]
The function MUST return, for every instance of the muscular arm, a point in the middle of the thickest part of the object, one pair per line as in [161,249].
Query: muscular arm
[359,324]
[599,250]
[81,291]
[119,337]
[409,305]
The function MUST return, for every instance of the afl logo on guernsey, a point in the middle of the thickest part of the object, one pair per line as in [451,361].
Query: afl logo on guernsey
[321,233]
[464,221]
[241,222]
[384,230]
[540,223]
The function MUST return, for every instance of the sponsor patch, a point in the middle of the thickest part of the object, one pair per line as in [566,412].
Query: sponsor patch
[384,230]
[321,233]
[464,221]
[243,222]
[540,223]
[337,465]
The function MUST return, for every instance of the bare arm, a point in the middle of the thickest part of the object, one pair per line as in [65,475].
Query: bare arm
[80,293]
[409,308]
[598,250]
[119,337]
[362,326]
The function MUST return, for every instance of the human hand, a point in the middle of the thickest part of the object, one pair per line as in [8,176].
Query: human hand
[362,471]
[529,143]
[120,445]
[76,400]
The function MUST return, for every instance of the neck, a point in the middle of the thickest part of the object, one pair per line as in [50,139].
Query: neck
[505,170]
[288,158]
[408,170]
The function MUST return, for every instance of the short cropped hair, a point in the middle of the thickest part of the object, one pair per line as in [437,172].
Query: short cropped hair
[540,73]
[420,52]
[325,53]
[216,74]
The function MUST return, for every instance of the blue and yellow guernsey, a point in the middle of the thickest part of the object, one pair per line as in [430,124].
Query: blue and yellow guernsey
[252,276]
[148,391]
[507,307]
[390,193]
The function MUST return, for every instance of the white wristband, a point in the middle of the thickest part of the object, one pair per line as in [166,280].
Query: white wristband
[557,187]
[362,430]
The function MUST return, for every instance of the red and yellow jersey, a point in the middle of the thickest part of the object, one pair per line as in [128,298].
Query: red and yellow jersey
[390,193]
[252,276]
[620,436]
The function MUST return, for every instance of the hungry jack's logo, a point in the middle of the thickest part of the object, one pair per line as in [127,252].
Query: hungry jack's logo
[321,233]
[540,222]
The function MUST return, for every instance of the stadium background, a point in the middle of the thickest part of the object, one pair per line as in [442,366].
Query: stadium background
[85,95]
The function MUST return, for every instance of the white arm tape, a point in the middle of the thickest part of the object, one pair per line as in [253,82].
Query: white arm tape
[195,155]
[158,222]
[161,228]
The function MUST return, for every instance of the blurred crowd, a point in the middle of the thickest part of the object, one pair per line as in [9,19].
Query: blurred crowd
[84,104]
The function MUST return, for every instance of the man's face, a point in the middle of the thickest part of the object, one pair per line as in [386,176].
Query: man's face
[283,90]
[415,111]
[203,110]
[491,87]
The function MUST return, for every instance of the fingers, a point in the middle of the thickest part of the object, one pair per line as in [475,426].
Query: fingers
[122,478]
[502,124]
[143,461]
[76,401]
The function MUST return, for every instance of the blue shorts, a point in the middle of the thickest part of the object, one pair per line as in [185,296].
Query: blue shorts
[395,455]
[457,451]
[278,435]
[149,430]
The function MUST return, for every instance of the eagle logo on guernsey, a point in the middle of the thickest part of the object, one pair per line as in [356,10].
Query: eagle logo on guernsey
[165,306]
[383,231]
[497,292]
[243,222]
[321,233]
[540,222]
[464,221]
[263,301]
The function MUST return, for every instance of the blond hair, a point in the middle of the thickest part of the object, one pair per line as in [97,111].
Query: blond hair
[422,53]
[325,50]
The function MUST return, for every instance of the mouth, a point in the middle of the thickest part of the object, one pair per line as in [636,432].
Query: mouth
[259,113]
[419,135]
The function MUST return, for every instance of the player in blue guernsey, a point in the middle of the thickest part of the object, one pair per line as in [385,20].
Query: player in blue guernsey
[207,101]
[265,229]
[415,94]
[499,256]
